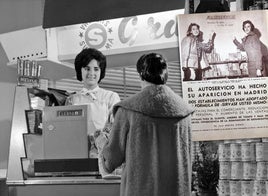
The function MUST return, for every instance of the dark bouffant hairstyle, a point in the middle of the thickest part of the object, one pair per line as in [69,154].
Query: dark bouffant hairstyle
[152,68]
[248,22]
[84,58]
[188,33]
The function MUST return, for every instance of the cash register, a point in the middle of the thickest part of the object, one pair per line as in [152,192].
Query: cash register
[65,143]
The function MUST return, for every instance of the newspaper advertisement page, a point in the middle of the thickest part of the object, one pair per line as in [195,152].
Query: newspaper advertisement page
[224,60]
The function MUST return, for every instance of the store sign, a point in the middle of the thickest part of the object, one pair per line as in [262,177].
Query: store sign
[130,34]
[96,35]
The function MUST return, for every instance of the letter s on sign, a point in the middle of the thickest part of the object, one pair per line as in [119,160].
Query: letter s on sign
[95,36]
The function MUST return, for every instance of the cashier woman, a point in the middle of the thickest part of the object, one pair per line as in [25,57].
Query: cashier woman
[90,66]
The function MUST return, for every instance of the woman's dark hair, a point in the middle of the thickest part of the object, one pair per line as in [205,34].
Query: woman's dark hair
[84,58]
[152,68]
[248,22]
[189,33]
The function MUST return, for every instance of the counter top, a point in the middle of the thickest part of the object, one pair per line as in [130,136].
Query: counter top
[65,180]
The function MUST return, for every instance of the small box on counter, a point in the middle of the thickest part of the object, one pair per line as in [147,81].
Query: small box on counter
[29,73]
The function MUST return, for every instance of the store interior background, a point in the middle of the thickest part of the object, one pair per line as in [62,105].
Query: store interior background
[18,15]
[23,14]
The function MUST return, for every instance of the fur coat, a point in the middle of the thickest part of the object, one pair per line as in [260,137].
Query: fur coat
[252,45]
[151,134]
[193,52]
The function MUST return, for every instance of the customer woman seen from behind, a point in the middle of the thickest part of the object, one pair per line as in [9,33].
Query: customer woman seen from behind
[151,134]
[252,45]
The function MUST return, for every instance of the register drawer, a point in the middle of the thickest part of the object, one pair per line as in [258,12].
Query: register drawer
[54,167]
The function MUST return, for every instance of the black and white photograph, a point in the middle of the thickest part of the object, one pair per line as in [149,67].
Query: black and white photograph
[215,52]
[134,98]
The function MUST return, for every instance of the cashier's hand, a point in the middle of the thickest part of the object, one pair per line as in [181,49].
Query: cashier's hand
[101,139]
[110,117]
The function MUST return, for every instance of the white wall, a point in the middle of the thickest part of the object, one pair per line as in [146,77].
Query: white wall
[6,105]
[8,78]
[14,15]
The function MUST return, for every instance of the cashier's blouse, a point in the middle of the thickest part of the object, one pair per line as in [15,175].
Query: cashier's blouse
[100,103]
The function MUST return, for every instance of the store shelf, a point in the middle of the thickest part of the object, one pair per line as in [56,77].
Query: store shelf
[31,44]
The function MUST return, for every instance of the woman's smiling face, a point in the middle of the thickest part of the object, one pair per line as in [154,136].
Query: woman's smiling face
[91,74]
[247,28]
[195,30]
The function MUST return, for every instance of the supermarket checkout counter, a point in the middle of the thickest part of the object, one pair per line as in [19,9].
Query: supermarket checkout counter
[22,179]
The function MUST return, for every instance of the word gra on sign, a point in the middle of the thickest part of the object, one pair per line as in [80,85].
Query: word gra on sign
[106,33]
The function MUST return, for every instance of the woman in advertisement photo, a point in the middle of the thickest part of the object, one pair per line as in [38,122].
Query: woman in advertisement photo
[193,53]
[252,46]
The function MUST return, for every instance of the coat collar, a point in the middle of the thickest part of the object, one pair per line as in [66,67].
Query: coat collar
[156,101]
[251,33]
